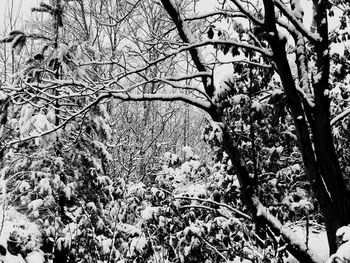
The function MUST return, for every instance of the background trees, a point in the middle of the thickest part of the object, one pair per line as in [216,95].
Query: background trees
[278,123]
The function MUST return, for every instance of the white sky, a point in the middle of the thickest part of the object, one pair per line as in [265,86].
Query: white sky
[22,8]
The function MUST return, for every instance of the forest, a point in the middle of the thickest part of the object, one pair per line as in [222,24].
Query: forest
[175,131]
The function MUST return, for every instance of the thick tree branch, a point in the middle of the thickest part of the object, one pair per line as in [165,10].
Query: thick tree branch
[187,37]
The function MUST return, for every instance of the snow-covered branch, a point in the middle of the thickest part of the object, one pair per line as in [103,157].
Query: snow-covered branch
[205,105]
[224,13]
[298,24]
[340,116]
[247,13]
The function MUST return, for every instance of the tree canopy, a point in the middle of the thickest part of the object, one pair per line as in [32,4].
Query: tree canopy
[177,131]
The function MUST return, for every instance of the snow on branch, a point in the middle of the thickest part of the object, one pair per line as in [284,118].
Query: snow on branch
[340,116]
[298,25]
[247,13]
[239,44]
[295,245]
[63,124]
[243,61]
[187,37]
[205,105]
[224,13]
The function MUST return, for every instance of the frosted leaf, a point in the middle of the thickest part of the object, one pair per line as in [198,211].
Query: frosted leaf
[171,158]
[9,258]
[192,229]
[44,186]
[62,51]
[40,122]
[256,105]
[186,168]
[342,254]
[150,212]
[68,190]
[80,73]
[67,241]
[59,242]
[36,213]
[163,221]
[100,224]
[35,204]
[51,116]
[187,250]
[138,244]
[3,96]
[59,162]
[49,200]
[92,206]
[129,229]
[24,186]
[105,244]
[236,99]
[306,205]
[25,128]
[137,189]
[103,148]
[188,151]
[35,257]
[344,233]
[96,54]
[104,180]
[296,168]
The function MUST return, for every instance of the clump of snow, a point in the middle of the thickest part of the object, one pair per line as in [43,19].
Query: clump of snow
[193,190]
[189,153]
[216,133]
[171,158]
[256,106]
[343,252]
[129,229]
[150,213]
[137,245]
[137,189]
[19,223]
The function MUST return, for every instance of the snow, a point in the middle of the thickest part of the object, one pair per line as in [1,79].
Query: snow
[318,242]
[150,213]
[16,222]
[9,258]
[344,233]
[35,204]
[138,244]
[34,257]
[343,252]
[189,153]
[256,105]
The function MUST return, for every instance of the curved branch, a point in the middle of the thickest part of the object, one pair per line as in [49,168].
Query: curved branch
[340,116]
